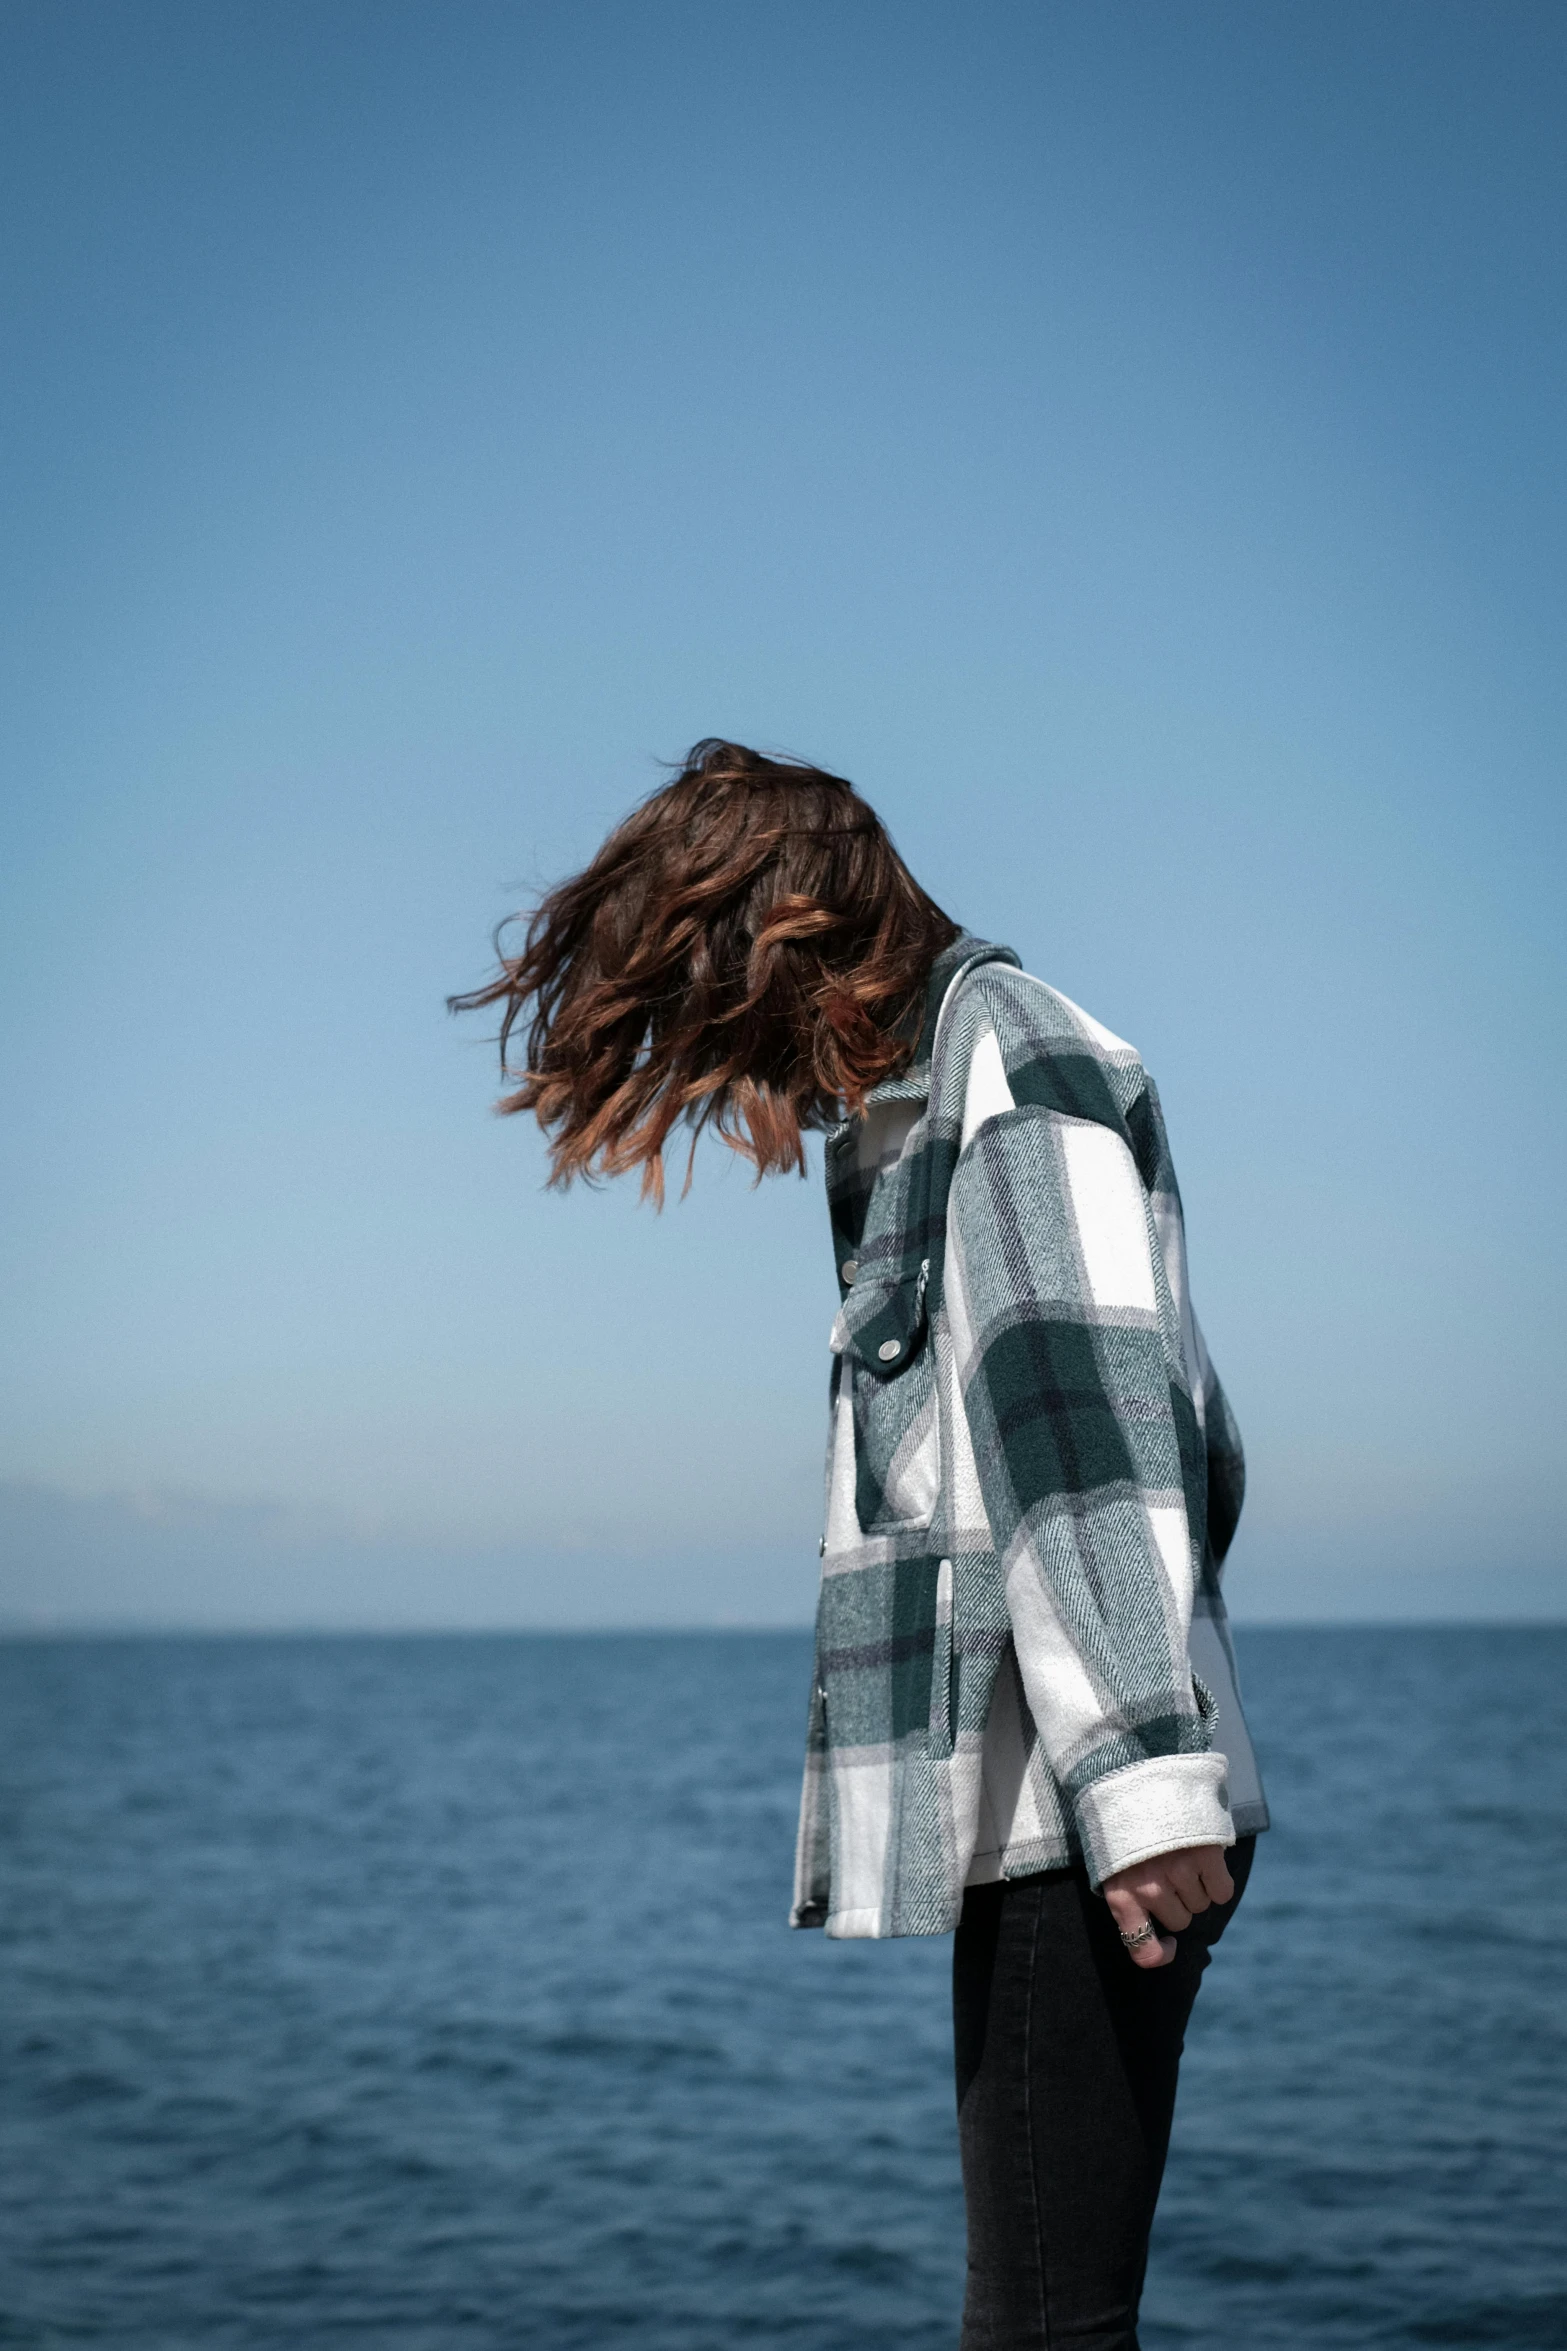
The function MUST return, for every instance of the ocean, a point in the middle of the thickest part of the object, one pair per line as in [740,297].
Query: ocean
[436,1992]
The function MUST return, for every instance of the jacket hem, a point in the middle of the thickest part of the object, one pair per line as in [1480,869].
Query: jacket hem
[847,1926]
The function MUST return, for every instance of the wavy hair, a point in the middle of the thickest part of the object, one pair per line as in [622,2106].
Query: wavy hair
[747,952]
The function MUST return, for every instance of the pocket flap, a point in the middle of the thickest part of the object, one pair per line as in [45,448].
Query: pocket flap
[882,1321]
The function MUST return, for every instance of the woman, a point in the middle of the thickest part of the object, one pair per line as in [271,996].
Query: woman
[1024,1722]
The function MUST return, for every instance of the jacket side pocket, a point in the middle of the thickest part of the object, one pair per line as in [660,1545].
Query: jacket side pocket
[940,1742]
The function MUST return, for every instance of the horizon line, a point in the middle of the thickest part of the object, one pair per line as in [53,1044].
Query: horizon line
[21,1631]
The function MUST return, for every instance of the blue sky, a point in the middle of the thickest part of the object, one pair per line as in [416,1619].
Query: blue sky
[1127,441]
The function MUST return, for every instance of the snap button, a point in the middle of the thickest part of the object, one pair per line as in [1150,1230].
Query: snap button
[889,1348]
[849,1268]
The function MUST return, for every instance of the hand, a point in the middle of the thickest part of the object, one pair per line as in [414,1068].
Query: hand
[1169,1890]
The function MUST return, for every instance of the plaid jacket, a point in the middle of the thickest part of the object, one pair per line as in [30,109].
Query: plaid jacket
[1032,1479]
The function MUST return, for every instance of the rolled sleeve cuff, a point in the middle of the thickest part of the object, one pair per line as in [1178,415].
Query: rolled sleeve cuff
[1160,1806]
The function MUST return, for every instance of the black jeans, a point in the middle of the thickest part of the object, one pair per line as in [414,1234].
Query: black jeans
[1067,2057]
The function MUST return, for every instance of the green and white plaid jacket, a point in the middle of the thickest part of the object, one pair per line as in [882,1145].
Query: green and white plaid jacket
[1032,1479]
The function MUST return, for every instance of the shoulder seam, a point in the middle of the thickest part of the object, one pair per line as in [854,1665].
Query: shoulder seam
[1088,1035]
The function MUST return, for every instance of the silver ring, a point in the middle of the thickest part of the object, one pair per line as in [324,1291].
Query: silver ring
[1146,1933]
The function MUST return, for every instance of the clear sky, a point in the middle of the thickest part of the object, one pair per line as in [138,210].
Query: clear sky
[1126,440]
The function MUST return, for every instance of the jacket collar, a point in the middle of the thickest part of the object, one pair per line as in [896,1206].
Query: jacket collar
[913,1084]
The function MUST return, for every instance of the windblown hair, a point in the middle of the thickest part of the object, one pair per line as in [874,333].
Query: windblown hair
[747,951]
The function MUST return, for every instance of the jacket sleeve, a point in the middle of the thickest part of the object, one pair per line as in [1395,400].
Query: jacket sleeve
[1077,1416]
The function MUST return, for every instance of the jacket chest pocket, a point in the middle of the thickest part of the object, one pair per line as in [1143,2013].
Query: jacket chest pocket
[897,1446]
[889,1361]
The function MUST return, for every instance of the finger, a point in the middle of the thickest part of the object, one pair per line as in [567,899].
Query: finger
[1167,1906]
[1142,1947]
[1216,1877]
[1184,1875]
[1153,1889]
[1158,1951]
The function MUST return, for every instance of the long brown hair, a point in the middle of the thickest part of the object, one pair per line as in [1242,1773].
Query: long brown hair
[747,951]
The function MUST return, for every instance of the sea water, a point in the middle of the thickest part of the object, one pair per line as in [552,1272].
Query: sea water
[436,1992]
